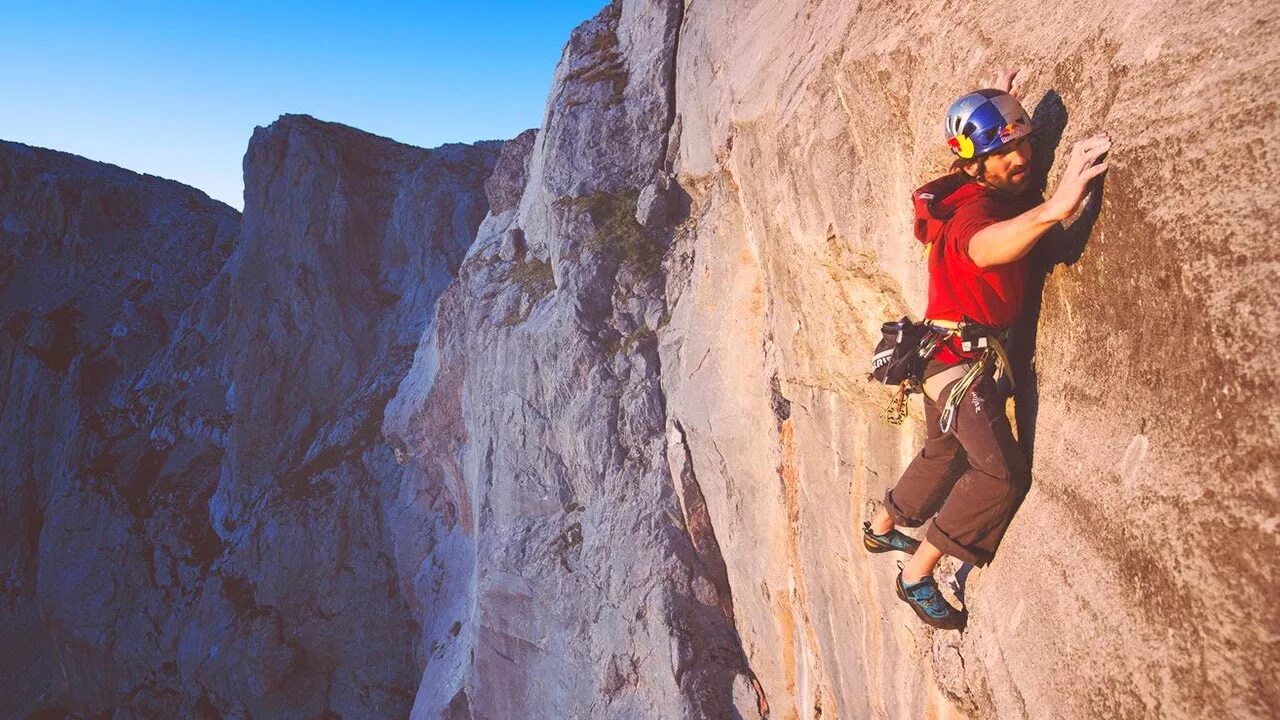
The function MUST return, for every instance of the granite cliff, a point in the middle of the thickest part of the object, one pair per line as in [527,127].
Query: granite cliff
[577,426]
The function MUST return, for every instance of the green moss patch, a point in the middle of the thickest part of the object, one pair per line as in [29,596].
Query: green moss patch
[616,230]
[536,280]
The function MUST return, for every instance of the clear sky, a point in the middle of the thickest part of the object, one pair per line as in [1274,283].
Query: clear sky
[175,88]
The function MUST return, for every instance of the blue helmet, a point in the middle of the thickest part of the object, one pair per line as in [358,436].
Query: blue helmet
[984,121]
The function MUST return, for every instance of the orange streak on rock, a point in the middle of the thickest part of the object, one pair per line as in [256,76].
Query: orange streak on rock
[790,476]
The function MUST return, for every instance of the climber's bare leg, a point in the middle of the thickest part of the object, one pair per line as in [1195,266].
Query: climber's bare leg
[882,522]
[921,564]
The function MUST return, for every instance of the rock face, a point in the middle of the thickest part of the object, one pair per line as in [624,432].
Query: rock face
[195,496]
[1143,349]
[652,205]
[348,240]
[610,459]
[575,585]
[661,445]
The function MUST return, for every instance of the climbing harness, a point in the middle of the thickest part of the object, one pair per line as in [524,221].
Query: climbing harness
[904,351]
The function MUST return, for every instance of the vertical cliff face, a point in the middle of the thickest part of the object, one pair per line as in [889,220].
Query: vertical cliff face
[1141,398]
[348,240]
[582,592]
[661,443]
[196,494]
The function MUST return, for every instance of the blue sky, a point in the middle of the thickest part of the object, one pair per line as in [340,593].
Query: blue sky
[175,89]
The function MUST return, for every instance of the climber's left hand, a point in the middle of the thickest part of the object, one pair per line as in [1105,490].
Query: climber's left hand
[1005,78]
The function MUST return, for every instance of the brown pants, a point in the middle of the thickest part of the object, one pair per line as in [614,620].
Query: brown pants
[972,478]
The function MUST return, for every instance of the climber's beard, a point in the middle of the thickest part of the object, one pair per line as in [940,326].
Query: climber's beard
[1013,180]
[1009,170]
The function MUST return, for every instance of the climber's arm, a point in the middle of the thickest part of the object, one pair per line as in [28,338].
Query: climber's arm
[1005,242]
[1009,240]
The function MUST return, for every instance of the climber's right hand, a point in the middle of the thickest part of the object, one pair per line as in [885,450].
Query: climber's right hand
[1083,166]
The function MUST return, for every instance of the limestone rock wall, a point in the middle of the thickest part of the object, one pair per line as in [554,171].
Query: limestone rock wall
[535,419]
[1144,370]
[577,426]
[104,278]
[348,241]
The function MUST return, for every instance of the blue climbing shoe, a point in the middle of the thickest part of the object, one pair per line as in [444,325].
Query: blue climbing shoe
[892,540]
[924,598]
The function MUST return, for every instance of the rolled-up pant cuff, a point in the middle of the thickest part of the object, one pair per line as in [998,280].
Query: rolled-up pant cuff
[900,517]
[949,546]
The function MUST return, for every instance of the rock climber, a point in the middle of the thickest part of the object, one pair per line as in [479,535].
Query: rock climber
[980,222]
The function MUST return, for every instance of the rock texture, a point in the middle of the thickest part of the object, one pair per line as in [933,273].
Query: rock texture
[348,241]
[536,404]
[1143,353]
[610,459]
[113,426]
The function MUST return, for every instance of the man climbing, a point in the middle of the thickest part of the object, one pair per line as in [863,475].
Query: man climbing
[980,222]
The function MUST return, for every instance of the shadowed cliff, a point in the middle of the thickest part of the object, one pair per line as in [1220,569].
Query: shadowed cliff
[194,486]
[741,249]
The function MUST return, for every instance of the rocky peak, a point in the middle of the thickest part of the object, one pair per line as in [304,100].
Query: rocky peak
[506,185]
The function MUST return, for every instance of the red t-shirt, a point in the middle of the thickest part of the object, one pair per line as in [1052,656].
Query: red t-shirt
[959,289]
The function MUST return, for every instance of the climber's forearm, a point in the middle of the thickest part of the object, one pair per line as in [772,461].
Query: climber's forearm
[1007,241]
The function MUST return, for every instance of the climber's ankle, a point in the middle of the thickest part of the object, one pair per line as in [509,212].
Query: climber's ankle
[882,523]
[921,564]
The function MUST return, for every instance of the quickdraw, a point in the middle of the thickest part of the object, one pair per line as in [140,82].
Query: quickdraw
[897,410]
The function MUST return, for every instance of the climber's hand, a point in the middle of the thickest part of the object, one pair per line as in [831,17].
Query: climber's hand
[1005,78]
[1083,165]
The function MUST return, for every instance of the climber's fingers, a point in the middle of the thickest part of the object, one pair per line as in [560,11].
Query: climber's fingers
[1005,78]
[1093,171]
[1085,152]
